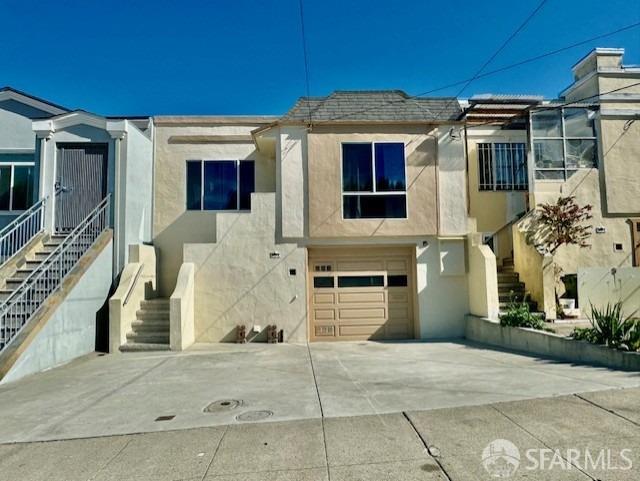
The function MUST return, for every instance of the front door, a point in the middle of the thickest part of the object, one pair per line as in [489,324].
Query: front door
[635,241]
[81,182]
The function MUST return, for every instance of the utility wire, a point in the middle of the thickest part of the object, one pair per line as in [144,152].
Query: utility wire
[304,52]
[493,72]
[552,107]
[493,56]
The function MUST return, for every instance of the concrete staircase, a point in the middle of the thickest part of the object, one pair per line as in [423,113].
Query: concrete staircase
[150,330]
[33,261]
[510,287]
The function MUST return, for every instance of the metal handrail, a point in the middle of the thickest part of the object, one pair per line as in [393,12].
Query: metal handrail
[47,278]
[21,230]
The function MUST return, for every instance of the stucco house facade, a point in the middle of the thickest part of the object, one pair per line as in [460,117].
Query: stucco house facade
[525,151]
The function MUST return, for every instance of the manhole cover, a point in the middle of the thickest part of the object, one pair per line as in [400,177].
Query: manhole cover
[222,405]
[253,416]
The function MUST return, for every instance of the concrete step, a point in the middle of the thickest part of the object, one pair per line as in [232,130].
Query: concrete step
[23,273]
[506,286]
[159,304]
[516,296]
[508,277]
[507,262]
[143,347]
[154,325]
[148,337]
[153,315]
[504,305]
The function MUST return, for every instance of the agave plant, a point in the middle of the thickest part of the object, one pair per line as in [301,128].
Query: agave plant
[612,328]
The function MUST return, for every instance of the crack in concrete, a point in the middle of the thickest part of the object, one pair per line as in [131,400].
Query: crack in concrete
[426,446]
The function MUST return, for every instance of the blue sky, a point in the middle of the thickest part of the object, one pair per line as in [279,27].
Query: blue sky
[144,57]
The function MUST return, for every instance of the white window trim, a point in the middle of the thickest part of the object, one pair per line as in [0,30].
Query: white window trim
[202,162]
[13,166]
[493,167]
[373,171]
[564,138]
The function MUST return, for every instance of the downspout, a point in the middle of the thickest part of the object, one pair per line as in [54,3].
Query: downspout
[116,208]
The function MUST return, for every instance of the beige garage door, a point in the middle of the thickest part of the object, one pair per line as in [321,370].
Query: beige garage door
[361,294]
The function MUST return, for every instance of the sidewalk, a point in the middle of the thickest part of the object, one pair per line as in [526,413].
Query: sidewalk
[386,447]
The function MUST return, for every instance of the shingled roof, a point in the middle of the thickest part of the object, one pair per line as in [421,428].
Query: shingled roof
[373,106]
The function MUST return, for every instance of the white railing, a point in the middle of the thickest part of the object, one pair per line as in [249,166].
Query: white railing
[21,231]
[25,300]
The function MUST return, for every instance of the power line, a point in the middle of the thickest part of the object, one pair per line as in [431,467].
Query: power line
[554,107]
[304,52]
[493,72]
[495,54]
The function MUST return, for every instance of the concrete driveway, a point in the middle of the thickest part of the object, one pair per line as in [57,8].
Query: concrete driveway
[138,392]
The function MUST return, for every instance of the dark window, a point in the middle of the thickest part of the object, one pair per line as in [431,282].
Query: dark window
[22,187]
[361,281]
[397,281]
[390,167]
[5,187]
[379,199]
[357,170]
[502,166]
[247,183]
[375,206]
[220,186]
[213,185]
[323,282]
[194,185]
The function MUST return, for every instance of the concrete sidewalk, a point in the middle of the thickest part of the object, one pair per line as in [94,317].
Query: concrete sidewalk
[445,444]
[136,393]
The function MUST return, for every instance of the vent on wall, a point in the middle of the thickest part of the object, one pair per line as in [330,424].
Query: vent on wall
[617,247]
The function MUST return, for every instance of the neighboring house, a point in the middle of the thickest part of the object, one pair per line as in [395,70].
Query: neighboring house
[18,162]
[79,190]
[585,144]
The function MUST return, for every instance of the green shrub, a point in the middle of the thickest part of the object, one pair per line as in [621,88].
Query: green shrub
[519,315]
[611,328]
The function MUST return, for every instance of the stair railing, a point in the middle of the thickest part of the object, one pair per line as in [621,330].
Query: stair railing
[21,305]
[21,231]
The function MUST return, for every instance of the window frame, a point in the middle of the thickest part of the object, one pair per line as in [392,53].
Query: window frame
[202,184]
[564,138]
[13,165]
[374,192]
[494,184]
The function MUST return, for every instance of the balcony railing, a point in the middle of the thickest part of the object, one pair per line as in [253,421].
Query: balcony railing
[21,305]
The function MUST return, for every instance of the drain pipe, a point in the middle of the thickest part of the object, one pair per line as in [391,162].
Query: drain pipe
[118,131]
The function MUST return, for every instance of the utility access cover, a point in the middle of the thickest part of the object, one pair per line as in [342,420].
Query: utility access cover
[222,405]
[251,416]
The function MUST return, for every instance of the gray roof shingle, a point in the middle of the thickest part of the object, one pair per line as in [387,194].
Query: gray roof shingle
[373,106]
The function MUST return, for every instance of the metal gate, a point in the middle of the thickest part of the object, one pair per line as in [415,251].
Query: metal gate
[81,182]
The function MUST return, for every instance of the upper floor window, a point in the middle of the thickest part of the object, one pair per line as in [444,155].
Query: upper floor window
[220,184]
[374,181]
[564,140]
[502,166]
[17,180]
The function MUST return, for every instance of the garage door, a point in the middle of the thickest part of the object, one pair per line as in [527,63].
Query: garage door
[361,294]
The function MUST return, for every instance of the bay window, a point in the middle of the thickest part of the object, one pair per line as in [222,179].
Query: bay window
[563,141]
[220,184]
[374,181]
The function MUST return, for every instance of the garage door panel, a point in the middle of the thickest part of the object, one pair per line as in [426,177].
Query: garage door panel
[324,298]
[363,314]
[360,265]
[395,296]
[364,297]
[368,330]
[366,294]
[324,314]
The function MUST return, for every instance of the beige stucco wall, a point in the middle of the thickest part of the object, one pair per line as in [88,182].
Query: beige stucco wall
[173,225]
[585,186]
[483,279]
[599,286]
[239,280]
[621,164]
[325,181]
